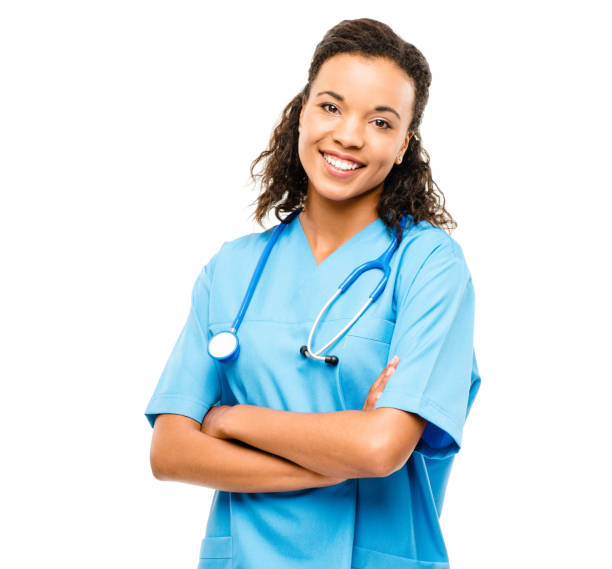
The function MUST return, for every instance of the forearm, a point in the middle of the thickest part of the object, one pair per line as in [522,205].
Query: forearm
[198,458]
[337,444]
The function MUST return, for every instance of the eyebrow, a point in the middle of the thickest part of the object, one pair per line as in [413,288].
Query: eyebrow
[379,108]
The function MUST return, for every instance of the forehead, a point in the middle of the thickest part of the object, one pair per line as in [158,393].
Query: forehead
[365,81]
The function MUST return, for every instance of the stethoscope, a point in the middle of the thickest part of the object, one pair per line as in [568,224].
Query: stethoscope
[224,346]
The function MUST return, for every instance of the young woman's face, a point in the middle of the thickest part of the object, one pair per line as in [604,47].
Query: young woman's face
[350,114]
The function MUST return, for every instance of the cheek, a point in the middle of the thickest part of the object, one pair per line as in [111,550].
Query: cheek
[383,156]
[302,146]
[309,134]
[314,127]
[307,144]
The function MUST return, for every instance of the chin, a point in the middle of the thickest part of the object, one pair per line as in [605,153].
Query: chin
[339,195]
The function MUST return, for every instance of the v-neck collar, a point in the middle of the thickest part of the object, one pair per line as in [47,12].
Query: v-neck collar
[351,242]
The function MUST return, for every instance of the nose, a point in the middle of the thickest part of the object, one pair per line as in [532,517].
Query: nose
[349,132]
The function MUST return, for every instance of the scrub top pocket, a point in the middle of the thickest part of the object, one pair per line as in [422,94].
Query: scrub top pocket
[365,354]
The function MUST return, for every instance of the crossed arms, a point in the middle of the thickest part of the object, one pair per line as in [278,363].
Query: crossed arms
[245,448]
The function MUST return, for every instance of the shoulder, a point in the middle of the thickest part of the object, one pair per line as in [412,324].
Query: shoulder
[423,239]
[235,252]
[428,252]
[246,243]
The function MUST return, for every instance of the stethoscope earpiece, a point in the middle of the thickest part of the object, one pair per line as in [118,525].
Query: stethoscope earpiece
[331,360]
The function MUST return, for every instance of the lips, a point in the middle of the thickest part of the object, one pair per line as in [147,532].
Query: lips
[337,172]
[341,156]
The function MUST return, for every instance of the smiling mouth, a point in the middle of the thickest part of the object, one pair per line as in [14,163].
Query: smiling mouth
[341,165]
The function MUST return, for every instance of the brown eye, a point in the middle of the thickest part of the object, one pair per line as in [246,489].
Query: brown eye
[384,122]
[324,105]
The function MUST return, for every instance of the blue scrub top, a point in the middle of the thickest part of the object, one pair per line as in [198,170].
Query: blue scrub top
[425,315]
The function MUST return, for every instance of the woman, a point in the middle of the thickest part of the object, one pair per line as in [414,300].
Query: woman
[320,459]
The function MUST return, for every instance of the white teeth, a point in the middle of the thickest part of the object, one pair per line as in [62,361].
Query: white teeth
[340,164]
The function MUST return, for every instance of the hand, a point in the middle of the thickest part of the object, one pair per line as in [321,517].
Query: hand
[379,385]
[212,424]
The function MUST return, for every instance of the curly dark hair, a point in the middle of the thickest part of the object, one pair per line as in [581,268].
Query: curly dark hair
[409,187]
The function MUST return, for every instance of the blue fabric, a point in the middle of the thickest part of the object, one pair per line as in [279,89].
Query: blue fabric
[189,384]
[425,315]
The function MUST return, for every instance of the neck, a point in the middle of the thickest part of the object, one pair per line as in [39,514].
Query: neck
[329,223]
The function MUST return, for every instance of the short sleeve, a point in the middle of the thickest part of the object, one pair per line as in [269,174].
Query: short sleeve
[437,376]
[189,384]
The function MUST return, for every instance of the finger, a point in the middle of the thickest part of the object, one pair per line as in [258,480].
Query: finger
[386,372]
[377,388]
[390,369]
[394,361]
[384,377]
[383,383]
[371,401]
[389,373]
[379,384]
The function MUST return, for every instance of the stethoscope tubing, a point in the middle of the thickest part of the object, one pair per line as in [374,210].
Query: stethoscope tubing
[225,347]
[259,269]
[382,263]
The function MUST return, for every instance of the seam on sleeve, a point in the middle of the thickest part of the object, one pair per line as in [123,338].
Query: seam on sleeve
[216,364]
[417,272]
[456,252]
[212,278]
[431,403]
[455,308]
[179,396]
[176,404]
[194,304]
[209,279]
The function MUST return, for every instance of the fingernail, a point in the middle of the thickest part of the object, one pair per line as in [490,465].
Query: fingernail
[394,360]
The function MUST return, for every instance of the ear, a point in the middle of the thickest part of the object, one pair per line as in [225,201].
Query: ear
[409,135]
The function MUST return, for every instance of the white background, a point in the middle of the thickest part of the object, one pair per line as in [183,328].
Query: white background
[126,135]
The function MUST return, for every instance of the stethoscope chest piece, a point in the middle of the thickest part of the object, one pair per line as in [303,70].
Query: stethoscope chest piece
[224,346]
